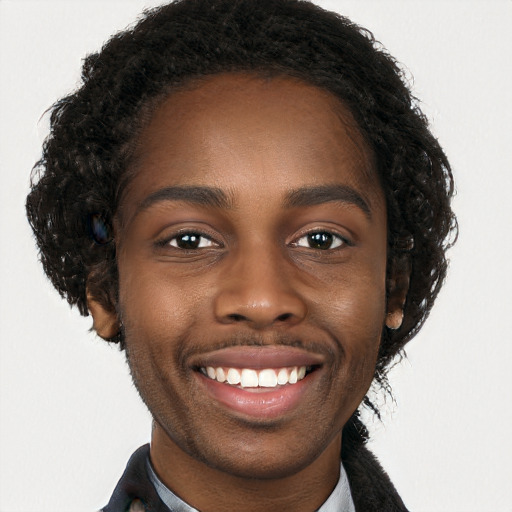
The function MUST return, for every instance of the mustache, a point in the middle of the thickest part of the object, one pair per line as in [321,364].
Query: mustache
[190,346]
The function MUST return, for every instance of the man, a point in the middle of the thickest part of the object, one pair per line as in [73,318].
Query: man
[245,196]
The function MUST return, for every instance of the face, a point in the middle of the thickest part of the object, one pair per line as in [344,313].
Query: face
[252,267]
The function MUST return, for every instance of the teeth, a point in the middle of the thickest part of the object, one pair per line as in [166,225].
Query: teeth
[267,379]
[220,375]
[233,376]
[249,378]
[282,376]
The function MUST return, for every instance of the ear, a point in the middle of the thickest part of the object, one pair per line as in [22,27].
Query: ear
[105,321]
[397,288]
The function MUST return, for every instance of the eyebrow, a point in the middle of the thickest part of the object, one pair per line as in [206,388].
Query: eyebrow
[311,196]
[204,196]
[217,198]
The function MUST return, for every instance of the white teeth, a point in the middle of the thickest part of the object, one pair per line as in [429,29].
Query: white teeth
[282,376]
[267,379]
[250,378]
[233,376]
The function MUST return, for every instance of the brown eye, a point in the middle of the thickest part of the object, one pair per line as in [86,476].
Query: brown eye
[191,241]
[322,240]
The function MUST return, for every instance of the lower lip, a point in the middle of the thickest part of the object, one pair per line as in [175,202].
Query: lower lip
[259,402]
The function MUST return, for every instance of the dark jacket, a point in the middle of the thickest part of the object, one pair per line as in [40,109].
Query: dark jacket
[372,491]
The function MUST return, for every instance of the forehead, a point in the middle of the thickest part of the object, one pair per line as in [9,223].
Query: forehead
[277,133]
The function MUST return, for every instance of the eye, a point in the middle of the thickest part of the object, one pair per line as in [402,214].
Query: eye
[323,240]
[191,241]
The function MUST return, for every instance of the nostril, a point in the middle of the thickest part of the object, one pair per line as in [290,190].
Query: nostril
[236,317]
[284,317]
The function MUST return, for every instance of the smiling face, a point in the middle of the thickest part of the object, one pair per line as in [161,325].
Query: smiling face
[252,245]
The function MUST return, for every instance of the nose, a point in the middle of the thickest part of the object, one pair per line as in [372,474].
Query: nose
[258,291]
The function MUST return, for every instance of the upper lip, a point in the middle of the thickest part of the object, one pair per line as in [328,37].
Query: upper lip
[258,357]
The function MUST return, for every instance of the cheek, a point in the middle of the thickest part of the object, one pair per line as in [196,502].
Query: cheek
[155,300]
[353,312]
[352,299]
[157,316]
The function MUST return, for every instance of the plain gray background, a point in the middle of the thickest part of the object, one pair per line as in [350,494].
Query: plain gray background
[69,415]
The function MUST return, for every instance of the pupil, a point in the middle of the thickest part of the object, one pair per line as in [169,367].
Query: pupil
[320,240]
[188,241]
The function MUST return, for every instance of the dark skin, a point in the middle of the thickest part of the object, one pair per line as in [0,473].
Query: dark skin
[254,221]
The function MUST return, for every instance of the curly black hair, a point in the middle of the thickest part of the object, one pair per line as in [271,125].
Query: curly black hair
[80,178]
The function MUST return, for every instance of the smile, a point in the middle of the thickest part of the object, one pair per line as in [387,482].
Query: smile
[262,383]
[252,378]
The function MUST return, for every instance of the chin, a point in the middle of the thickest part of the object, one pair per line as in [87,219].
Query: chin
[265,453]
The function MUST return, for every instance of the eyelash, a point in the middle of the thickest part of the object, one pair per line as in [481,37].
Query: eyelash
[204,241]
[191,235]
[326,235]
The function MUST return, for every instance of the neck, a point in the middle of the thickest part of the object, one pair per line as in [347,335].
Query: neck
[212,490]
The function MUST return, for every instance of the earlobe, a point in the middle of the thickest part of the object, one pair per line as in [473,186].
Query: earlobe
[394,319]
[105,322]
[397,288]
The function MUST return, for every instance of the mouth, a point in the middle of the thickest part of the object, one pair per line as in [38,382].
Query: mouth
[258,382]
